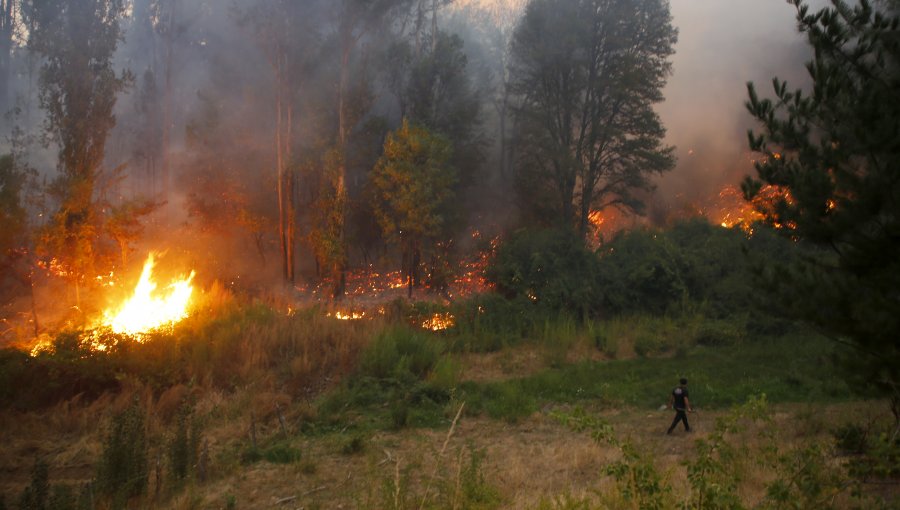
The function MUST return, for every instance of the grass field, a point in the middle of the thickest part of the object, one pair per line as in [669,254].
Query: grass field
[401,418]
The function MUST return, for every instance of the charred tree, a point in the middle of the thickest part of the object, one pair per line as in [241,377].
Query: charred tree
[8,25]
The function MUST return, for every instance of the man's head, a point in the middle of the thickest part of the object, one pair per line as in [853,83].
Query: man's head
[683,381]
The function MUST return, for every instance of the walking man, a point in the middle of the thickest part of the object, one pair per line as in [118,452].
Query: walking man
[679,401]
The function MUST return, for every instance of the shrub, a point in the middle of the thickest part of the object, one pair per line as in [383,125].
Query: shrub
[646,343]
[445,375]
[280,452]
[850,438]
[123,468]
[641,270]
[550,267]
[489,322]
[36,494]
[356,444]
[507,401]
[400,353]
[474,490]
[184,446]
[718,332]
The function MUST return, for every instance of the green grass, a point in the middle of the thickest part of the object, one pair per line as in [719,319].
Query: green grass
[794,368]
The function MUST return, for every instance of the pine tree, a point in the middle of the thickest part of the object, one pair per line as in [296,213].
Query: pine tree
[835,152]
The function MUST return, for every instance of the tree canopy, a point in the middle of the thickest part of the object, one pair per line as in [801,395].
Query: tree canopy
[586,75]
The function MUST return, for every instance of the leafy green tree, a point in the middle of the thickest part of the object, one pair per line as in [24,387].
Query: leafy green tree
[413,185]
[585,75]
[834,151]
[76,40]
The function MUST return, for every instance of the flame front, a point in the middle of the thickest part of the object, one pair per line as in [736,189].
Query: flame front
[147,310]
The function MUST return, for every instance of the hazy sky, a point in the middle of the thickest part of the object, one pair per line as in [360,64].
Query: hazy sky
[722,45]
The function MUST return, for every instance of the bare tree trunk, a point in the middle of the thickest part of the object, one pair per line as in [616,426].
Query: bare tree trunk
[291,219]
[7,27]
[341,187]
[420,20]
[587,196]
[34,316]
[279,161]
[434,12]
[167,102]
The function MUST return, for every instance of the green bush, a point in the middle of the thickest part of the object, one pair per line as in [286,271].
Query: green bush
[850,438]
[400,353]
[507,401]
[184,445]
[36,494]
[280,452]
[642,271]
[474,490]
[647,343]
[713,332]
[446,374]
[123,468]
[550,267]
[557,335]
[354,445]
[490,322]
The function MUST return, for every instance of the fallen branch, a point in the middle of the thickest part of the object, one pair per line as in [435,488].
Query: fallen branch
[313,491]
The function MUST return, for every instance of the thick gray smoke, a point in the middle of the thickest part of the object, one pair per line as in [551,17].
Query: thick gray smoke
[722,45]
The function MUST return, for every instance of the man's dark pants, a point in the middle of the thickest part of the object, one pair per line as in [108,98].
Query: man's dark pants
[680,415]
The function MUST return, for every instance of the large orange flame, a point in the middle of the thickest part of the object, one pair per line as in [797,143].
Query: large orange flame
[147,310]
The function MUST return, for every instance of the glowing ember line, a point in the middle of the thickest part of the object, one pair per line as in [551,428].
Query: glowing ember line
[349,316]
[145,310]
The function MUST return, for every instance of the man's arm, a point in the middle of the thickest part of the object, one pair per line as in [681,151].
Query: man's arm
[687,404]
[671,401]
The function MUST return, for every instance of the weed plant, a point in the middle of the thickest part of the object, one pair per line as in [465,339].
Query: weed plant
[123,468]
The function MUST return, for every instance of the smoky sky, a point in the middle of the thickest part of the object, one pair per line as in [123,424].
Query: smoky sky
[723,44]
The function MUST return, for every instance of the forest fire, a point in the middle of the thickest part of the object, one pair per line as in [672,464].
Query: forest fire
[732,210]
[347,316]
[439,321]
[147,310]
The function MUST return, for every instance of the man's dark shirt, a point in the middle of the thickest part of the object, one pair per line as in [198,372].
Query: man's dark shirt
[680,393]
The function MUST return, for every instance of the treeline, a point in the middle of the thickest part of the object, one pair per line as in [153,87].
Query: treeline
[333,134]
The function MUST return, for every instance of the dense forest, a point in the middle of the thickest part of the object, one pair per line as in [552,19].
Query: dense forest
[247,230]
